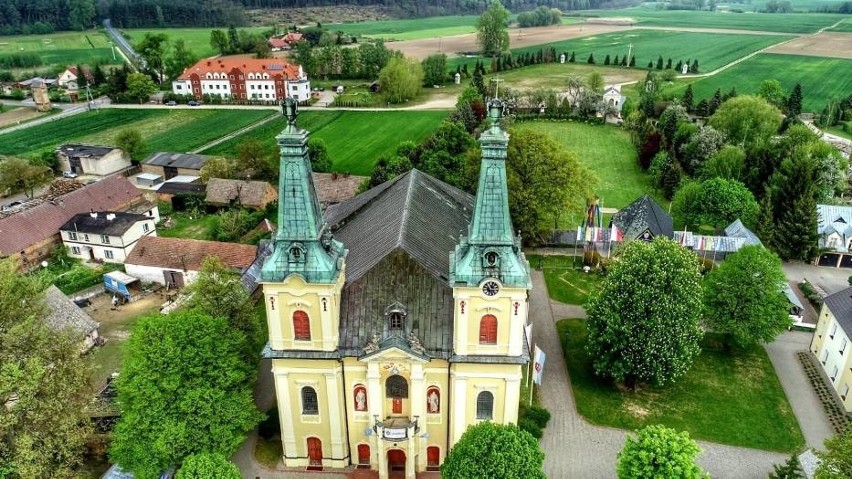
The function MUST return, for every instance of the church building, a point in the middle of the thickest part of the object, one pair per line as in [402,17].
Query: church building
[396,318]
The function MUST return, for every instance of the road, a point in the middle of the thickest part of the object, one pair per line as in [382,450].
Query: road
[67,110]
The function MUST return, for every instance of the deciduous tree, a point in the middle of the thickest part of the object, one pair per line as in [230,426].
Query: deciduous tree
[747,120]
[644,319]
[435,70]
[318,154]
[153,49]
[744,297]
[401,79]
[729,163]
[180,59]
[131,142]
[185,388]
[208,465]
[715,202]
[81,13]
[836,460]
[255,159]
[140,87]
[492,29]
[482,452]
[17,174]
[773,93]
[658,451]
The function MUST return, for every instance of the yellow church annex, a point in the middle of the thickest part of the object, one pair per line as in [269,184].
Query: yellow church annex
[396,319]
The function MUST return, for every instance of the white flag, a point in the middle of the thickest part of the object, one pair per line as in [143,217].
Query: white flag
[538,365]
[528,334]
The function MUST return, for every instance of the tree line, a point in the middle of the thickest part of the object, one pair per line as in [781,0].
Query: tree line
[46,16]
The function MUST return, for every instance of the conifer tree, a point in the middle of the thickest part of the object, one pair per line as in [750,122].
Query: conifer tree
[478,82]
[669,64]
[794,103]
[688,98]
[572,59]
[703,108]
[793,190]
[679,66]
[616,61]
[694,67]
[716,101]
[730,94]
[606,60]
[766,223]
[591,59]
[651,65]
[624,61]
[660,62]
[633,61]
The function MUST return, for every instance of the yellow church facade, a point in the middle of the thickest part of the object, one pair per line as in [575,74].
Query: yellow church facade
[390,331]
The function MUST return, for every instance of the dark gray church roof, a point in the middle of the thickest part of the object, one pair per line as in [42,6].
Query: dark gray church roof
[840,305]
[643,214]
[414,212]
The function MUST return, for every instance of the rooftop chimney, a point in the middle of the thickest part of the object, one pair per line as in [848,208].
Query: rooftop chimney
[110,216]
[93,214]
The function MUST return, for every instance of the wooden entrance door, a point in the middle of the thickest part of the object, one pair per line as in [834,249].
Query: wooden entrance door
[174,279]
[363,455]
[397,405]
[396,460]
[433,458]
[315,451]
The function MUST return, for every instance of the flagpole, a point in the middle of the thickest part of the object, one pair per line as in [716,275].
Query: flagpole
[531,392]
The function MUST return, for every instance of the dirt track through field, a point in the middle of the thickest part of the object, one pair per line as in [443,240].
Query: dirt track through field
[825,44]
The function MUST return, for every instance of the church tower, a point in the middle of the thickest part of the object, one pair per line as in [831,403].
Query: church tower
[490,279]
[302,282]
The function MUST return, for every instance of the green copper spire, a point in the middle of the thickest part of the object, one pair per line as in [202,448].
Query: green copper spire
[302,244]
[491,249]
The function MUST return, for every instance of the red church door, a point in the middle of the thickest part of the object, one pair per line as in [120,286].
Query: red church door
[363,455]
[315,453]
[397,405]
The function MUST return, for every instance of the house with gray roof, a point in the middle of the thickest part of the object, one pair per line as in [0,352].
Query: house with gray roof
[830,345]
[85,159]
[168,164]
[64,314]
[835,235]
[107,236]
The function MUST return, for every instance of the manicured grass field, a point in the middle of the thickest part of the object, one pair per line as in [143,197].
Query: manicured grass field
[162,129]
[197,40]
[726,398]
[552,75]
[355,139]
[566,281]
[712,50]
[607,150]
[821,78]
[786,23]
[411,29]
[61,49]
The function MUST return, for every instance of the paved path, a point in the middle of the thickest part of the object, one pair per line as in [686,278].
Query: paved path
[806,406]
[574,448]
[830,280]
[234,133]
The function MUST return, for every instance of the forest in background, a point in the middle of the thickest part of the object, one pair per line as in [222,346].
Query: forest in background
[47,16]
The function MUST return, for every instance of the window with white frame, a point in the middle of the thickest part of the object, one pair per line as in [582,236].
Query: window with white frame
[485,405]
[310,405]
[72,235]
[833,331]
[834,373]
[104,239]
[843,346]
[75,250]
[145,227]
[845,392]
[86,238]
[108,254]
[824,356]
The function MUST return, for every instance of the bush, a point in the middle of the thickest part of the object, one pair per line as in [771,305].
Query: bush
[811,294]
[531,427]
[539,415]
[270,426]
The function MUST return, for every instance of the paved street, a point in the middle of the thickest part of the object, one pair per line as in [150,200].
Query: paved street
[830,280]
[575,448]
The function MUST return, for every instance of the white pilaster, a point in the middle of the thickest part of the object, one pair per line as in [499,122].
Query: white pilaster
[418,408]
[335,419]
[375,398]
[276,335]
[285,415]
[516,325]
[513,393]
[459,395]
[460,335]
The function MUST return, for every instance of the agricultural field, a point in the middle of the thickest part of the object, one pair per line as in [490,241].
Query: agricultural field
[821,78]
[58,50]
[162,129]
[197,40]
[411,29]
[608,152]
[552,75]
[846,26]
[355,139]
[648,16]
[712,50]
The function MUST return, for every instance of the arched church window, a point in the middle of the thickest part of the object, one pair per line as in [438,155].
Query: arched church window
[433,400]
[301,326]
[395,322]
[309,401]
[360,398]
[297,253]
[396,387]
[488,329]
[485,405]
[491,258]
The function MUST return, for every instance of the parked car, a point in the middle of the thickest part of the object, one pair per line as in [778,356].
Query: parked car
[69,174]
[171,103]
[194,103]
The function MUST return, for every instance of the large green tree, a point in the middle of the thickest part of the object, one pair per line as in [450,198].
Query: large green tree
[744,298]
[483,451]
[180,59]
[836,460]
[658,451]
[644,319]
[255,159]
[401,79]
[44,385]
[318,153]
[185,388]
[435,70]
[81,13]
[773,93]
[492,29]
[746,120]
[18,174]
[793,193]
[130,141]
[153,49]
[728,162]
[140,87]
[206,466]
[715,202]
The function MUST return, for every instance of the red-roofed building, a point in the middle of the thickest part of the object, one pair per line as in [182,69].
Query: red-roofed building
[243,78]
[175,262]
[31,231]
[285,41]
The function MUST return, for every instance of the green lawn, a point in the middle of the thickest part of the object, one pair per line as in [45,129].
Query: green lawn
[552,75]
[162,129]
[197,40]
[607,150]
[193,225]
[730,399]
[821,78]
[712,50]
[647,15]
[838,130]
[566,281]
[410,29]
[355,139]
[59,50]
[846,26]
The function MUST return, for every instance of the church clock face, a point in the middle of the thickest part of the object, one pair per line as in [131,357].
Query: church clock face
[490,288]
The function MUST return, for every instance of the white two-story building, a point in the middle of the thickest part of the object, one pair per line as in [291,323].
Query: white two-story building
[831,345]
[106,236]
[241,78]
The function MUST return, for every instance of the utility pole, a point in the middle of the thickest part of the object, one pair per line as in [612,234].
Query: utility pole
[89,100]
[629,50]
